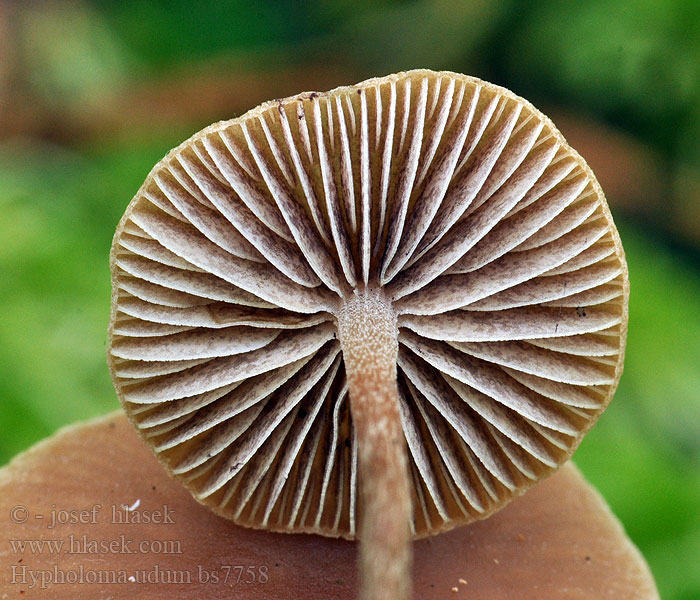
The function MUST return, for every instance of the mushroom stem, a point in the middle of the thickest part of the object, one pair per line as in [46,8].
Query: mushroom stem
[369,337]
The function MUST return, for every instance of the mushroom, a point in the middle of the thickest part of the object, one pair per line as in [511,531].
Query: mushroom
[557,540]
[379,312]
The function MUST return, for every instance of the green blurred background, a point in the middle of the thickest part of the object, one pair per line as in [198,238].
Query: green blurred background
[93,93]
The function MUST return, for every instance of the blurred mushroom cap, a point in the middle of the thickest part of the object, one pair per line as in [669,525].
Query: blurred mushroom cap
[558,540]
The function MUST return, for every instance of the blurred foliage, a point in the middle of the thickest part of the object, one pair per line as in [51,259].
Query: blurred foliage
[71,56]
[72,75]
[163,34]
[59,212]
[637,62]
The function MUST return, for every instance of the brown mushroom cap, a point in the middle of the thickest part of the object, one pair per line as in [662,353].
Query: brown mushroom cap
[559,540]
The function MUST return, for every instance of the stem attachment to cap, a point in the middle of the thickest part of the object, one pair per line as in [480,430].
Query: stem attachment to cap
[369,337]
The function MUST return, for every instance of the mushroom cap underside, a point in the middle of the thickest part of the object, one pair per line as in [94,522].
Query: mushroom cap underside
[457,200]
